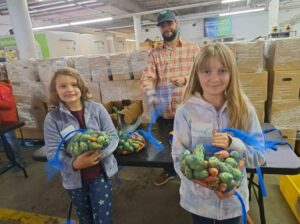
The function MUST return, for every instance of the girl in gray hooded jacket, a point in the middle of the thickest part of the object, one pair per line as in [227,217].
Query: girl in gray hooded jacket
[213,101]
[87,176]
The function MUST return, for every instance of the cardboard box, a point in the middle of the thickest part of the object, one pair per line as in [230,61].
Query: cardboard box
[255,85]
[289,135]
[284,54]
[138,63]
[134,91]
[250,56]
[113,90]
[128,117]
[82,65]
[284,85]
[285,114]
[119,65]
[99,68]
[30,133]
[95,91]
[22,71]
[46,68]
[232,47]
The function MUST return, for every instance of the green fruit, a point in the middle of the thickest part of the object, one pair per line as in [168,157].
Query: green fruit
[188,173]
[83,146]
[199,150]
[200,174]
[235,155]
[182,164]
[231,185]
[93,146]
[101,140]
[70,148]
[136,146]
[231,161]
[213,162]
[76,149]
[184,154]
[139,138]
[237,174]
[126,145]
[84,138]
[226,177]
[223,167]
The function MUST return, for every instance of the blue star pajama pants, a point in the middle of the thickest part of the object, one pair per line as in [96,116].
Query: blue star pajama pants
[93,202]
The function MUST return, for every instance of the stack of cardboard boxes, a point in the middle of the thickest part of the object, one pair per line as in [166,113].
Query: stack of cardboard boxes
[30,97]
[284,86]
[250,61]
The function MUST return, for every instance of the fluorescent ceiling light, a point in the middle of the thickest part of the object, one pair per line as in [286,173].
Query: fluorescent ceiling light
[91,21]
[50,27]
[73,23]
[86,2]
[229,1]
[130,40]
[242,12]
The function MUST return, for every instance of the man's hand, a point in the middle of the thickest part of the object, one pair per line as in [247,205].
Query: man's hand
[178,81]
[87,159]
[222,140]
[147,84]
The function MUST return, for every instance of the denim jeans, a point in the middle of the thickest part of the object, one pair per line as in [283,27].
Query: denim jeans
[93,202]
[167,124]
[203,220]
[15,145]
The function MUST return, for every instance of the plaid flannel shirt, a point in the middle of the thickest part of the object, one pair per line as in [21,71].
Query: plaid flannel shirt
[164,63]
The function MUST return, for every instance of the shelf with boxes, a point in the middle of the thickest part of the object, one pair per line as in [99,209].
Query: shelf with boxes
[253,77]
[283,105]
[109,78]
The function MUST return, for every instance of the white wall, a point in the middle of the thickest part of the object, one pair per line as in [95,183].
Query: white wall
[69,43]
[287,15]
[250,26]
[247,26]
[4,25]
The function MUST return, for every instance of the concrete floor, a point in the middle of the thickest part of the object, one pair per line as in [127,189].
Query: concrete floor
[136,200]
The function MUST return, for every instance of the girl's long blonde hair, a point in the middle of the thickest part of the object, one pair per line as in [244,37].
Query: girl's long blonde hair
[85,93]
[236,99]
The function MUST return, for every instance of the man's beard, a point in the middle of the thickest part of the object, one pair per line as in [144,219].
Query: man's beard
[170,38]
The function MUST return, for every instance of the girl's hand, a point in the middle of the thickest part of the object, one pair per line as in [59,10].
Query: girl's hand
[87,159]
[199,182]
[224,195]
[222,140]
[178,81]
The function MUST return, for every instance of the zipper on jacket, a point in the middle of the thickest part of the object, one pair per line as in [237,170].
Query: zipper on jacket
[218,121]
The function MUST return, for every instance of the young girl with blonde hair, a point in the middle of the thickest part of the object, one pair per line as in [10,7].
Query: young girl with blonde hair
[213,101]
[85,177]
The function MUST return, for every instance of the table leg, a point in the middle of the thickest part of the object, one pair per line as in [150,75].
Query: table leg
[261,206]
[11,157]
[250,182]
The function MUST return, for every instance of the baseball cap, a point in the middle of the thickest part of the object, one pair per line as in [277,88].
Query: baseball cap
[165,16]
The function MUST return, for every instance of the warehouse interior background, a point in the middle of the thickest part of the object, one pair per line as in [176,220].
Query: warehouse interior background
[108,42]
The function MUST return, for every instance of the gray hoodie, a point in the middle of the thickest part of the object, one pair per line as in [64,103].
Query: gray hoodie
[194,122]
[60,121]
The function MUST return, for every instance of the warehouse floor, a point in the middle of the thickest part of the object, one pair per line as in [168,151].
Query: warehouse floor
[136,200]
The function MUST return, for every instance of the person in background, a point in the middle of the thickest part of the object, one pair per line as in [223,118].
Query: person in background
[214,100]
[87,176]
[167,73]
[8,113]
